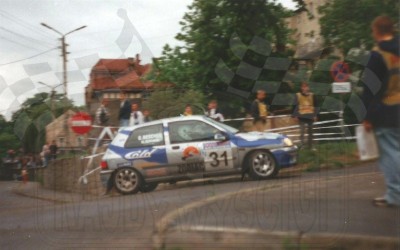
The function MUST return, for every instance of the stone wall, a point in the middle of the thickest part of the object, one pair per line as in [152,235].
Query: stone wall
[63,175]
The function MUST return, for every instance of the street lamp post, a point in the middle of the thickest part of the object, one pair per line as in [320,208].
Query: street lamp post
[64,57]
[64,52]
[52,95]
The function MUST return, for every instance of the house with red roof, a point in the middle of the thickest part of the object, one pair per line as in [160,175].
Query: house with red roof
[110,77]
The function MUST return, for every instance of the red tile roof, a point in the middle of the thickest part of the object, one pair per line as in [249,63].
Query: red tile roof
[119,73]
[132,80]
[112,65]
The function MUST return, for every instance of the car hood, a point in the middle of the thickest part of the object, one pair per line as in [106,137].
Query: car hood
[256,139]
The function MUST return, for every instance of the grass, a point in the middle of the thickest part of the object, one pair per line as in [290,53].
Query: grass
[71,155]
[289,244]
[39,178]
[329,155]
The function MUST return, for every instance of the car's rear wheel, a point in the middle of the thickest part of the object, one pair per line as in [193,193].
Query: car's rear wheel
[148,187]
[261,165]
[127,181]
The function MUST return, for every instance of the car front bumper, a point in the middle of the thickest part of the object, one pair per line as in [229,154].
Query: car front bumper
[286,157]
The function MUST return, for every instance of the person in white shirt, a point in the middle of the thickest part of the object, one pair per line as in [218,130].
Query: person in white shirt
[213,111]
[136,115]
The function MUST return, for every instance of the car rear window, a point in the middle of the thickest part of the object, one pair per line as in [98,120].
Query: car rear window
[146,137]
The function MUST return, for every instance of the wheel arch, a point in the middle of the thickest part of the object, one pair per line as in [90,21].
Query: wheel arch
[137,171]
[248,154]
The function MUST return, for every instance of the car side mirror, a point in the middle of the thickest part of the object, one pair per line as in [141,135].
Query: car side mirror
[220,137]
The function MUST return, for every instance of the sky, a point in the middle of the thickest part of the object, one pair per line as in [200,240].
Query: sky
[115,29]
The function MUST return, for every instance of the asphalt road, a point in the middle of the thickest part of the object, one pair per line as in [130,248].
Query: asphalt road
[290,202]
[340,205]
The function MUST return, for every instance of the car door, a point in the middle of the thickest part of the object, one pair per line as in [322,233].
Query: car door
[193,148]
[145,151]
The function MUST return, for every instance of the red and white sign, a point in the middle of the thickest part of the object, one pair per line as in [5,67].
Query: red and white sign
[81,123]
[340,71]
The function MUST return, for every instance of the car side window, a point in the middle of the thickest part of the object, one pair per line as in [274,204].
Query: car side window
[146,137]
[191,131]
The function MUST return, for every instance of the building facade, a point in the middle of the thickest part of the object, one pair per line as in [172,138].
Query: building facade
[59,130]
[110,77]
[307,31]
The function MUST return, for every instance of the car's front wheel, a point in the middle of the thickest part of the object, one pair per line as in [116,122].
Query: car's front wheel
[127,181]
[261,165]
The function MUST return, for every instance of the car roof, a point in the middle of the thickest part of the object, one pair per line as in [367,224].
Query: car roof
[165,120]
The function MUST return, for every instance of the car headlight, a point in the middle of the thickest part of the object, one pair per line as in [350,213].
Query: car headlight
[288,142]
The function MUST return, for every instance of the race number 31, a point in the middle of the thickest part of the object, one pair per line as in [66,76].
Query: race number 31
[216,159]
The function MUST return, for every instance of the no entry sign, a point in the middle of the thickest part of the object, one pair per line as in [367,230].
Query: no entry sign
[340,71]
[81,123]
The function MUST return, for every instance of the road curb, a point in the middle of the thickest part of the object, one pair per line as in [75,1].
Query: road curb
[165,226]
[241,238]
[32,190]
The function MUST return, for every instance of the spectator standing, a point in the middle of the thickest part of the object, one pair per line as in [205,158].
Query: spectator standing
[259,111]
[381,98]
[213,111]
[305,112]
[53,150]
[102,115]
[45,154]
[31,161]
[124,111]
[146,116]
[188,110]
[136,115]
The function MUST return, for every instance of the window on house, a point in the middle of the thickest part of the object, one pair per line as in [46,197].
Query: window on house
[61,141]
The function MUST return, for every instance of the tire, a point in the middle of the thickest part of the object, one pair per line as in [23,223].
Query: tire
[261,165]
[127,181]
[148,187]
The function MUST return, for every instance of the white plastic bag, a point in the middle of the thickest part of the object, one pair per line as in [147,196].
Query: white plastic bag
[366,143]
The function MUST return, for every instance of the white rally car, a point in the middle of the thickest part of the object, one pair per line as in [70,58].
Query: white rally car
[183,148]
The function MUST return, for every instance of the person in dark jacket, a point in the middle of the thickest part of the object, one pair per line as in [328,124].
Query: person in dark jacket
[259,111]
[305,112]
[102,115]
[124,111]
[381,98]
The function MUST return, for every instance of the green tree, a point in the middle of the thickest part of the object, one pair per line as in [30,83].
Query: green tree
[7,138]
[172,67]
[215,31]
[172,102]
[346,24]
[30,121]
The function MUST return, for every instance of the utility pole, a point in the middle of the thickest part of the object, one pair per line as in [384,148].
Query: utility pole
[52,95]
[64,56]
[65,79]
[64,53]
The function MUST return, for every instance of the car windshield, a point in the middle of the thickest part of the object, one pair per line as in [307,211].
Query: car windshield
[224,126]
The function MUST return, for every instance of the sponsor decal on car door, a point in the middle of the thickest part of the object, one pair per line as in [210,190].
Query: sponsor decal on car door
[187,158]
